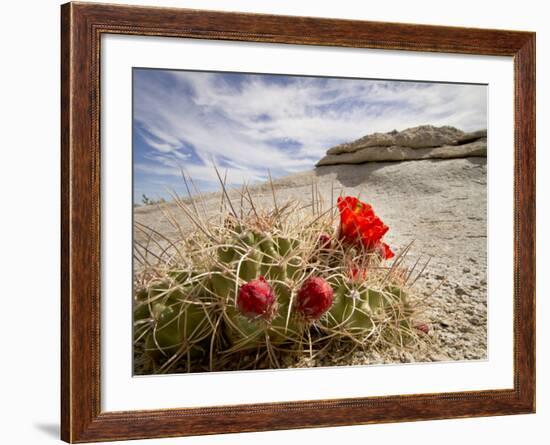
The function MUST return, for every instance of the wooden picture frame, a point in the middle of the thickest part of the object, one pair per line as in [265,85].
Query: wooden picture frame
[82,25]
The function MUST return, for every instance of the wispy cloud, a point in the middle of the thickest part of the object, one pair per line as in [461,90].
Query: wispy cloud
[247,123]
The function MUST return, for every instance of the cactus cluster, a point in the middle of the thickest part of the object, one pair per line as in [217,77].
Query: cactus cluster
[268,285]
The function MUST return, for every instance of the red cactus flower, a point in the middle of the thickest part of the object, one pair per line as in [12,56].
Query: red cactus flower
[257,299]
[314,298]
[384,251]
[357,274]
[359,224]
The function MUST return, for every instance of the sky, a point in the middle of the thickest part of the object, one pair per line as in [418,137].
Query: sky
[246,124]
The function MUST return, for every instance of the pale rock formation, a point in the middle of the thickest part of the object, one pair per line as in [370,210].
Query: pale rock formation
[423,142]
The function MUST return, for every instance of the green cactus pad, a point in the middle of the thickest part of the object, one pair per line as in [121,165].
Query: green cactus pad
[284,246]
[141,305]
[180,276]
[177,326]
[293,267]
[272,266]
[242,332]
[221,284]
[173,321]
[350,314]
[226,254]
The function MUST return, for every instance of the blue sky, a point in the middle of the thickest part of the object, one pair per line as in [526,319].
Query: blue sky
[248,123]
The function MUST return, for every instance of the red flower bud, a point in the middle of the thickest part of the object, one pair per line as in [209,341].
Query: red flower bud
[423,327]
[324,241]
[257,299]
[314,298]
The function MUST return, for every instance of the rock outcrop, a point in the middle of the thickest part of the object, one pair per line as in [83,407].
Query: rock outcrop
[423,142]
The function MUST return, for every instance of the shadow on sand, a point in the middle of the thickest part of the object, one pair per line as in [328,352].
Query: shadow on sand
[354,175]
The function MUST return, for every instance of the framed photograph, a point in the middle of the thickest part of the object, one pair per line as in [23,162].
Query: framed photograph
[274,222]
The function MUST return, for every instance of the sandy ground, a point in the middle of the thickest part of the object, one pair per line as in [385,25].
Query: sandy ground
[441,205]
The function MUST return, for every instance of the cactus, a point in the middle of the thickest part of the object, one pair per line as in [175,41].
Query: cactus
[175,325]
[141,306]
[181,328]
[242,332]
[147,297]
[272,265]
[285,326]
[226,254]
[180,276]
[300,292]
[251,327]
[401,310]
[246,255]
[352,310]
[221,284]
[356,308]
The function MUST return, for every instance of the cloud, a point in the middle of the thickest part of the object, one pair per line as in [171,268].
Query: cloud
[248,123]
